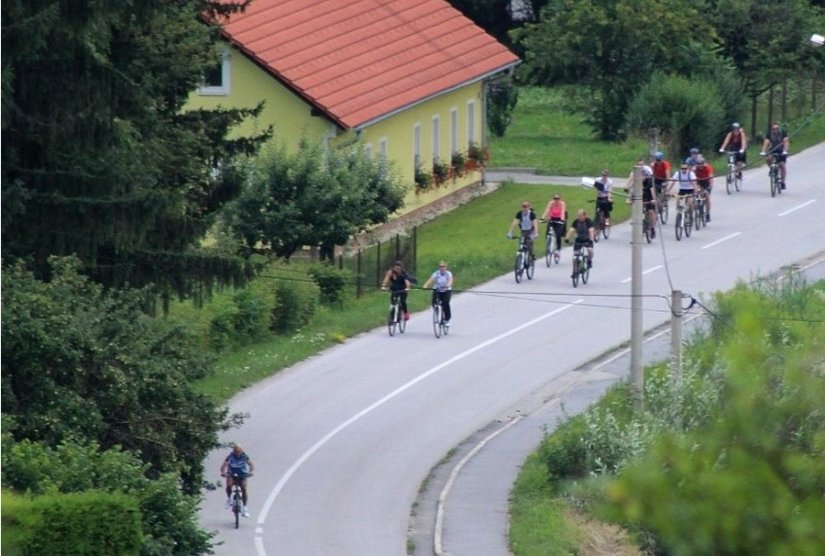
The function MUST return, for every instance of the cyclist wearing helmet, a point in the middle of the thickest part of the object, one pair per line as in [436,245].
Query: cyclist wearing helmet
[661,171]
[736,141]
[776,145]
[704,179]
[693,159]
[604,196]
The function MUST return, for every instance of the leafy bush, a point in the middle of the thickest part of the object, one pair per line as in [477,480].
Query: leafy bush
[295,306]
[331,282]
[563,452]
[502,97]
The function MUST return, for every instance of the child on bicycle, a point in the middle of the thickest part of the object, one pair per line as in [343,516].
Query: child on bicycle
[442,279]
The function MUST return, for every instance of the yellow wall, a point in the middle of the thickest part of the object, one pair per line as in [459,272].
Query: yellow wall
[291,118]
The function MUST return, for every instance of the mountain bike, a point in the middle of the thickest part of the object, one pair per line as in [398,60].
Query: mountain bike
[440,326]
[581,266]
[237,496]
[525,261]
[395,319]
[684,217]
[733,177]
[551,251]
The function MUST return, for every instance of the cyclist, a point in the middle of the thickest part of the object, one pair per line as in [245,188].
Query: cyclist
[237,463]
[442,279]
[737,141]
[693,159]
[556,215]
[776,144]
[527,223]
[582,230]
[604,196]
[661,171]
[399,284]
[648,198]
[687,183]
[704,179]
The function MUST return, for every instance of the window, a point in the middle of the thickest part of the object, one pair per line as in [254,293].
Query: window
[471,122]
[216,79]
[416,145]
[368,150]
[436,138]
[383,149]
[453,131]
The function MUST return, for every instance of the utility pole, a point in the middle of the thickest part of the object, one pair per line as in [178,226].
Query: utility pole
[636,370]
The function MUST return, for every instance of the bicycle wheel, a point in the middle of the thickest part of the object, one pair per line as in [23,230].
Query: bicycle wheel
[551,247]
[237,509]
[519,267]
[599,223]
[663,210]
[646,229]
[773,181]
[437,320]
[698,216]
[605,230]
[585,270]
[678,226]
[729,178]
[531,267]
[391,322]
[688,222]
[575,275]
[402,322]
[737,181]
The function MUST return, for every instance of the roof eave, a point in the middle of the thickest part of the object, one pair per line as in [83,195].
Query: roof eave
[382,117]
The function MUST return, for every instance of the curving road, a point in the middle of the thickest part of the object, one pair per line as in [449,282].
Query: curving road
[343,441]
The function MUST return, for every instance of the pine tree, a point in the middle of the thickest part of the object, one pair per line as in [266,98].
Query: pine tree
[99,158]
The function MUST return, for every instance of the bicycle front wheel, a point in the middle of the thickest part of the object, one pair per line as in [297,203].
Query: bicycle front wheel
[606,230]
[688,222]
[519,267]
[663,210]
[576,271]
[437,320]
[737,181]
[402,322]
[729,177]
[531,267]
[391,321]
[550,250]
[236,509]
[678,226]
[773,181]
[585,270]
[646,229]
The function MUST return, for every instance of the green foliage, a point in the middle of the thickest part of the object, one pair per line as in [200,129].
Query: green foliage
[686,111]
[317,197]
[90,172]
[168,515]
[296,304]
[502,97]
[93,523]
[82,361]
[331,283]
[563,453]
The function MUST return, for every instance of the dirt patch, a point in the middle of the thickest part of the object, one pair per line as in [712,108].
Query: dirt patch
[602,539]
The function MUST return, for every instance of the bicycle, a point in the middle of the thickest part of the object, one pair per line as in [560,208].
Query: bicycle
[600,223]
[700,215]
[662,205]
[773,175]
[648,229]
[525,261]
[684,217]
[440,326]
[733,177]
[237,496]
[395,319]
[581,266]
[551,252]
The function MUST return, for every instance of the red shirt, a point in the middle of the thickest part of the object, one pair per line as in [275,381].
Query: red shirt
[703,171]
[661,169]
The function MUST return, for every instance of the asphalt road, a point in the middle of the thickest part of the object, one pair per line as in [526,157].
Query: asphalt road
[343,441]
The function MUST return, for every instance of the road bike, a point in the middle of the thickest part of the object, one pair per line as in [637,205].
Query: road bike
[581,265]
[525,261]
[236,499]
[684,217]
[440,326]
[395,319]
[733,177]
[551,251]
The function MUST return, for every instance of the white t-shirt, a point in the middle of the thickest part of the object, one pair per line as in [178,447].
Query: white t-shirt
[686,179]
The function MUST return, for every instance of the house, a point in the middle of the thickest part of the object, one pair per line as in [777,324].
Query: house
[403,78]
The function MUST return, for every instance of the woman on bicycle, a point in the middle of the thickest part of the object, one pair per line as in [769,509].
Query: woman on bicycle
[604,196]
[237,464]
[442,279]
[556,216]
[399,284]
[736,141]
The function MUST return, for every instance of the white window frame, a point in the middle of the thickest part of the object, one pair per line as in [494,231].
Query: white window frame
[453,130]
[471,122]
[436,138]
[368,150]
[416,145]
[224,88]
[383,149]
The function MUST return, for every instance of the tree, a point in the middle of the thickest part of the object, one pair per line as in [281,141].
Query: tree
[83,362]
[316,197]
[100,160]
[606,49]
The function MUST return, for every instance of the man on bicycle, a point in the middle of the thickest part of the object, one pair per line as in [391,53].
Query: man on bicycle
[526,221]
[687,184]
[704,179]
[693,159]
[736,141]
[556,215]
[776,145]
[237,464]
[584,233]
[399,283]
[661,172]
[604,196]
[442,279]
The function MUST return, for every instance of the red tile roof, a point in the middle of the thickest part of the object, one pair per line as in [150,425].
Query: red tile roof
[359,61]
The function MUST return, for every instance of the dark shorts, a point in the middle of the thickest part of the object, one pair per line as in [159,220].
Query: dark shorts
[741,157]
[579,243]
[779,157]
[707,185]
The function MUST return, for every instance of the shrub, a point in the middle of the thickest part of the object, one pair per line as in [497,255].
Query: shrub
[331,283]
[251,319]
[222,329]
[296,304]
[563,453]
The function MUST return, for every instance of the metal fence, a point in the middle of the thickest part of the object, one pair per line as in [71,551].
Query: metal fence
[367,265]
